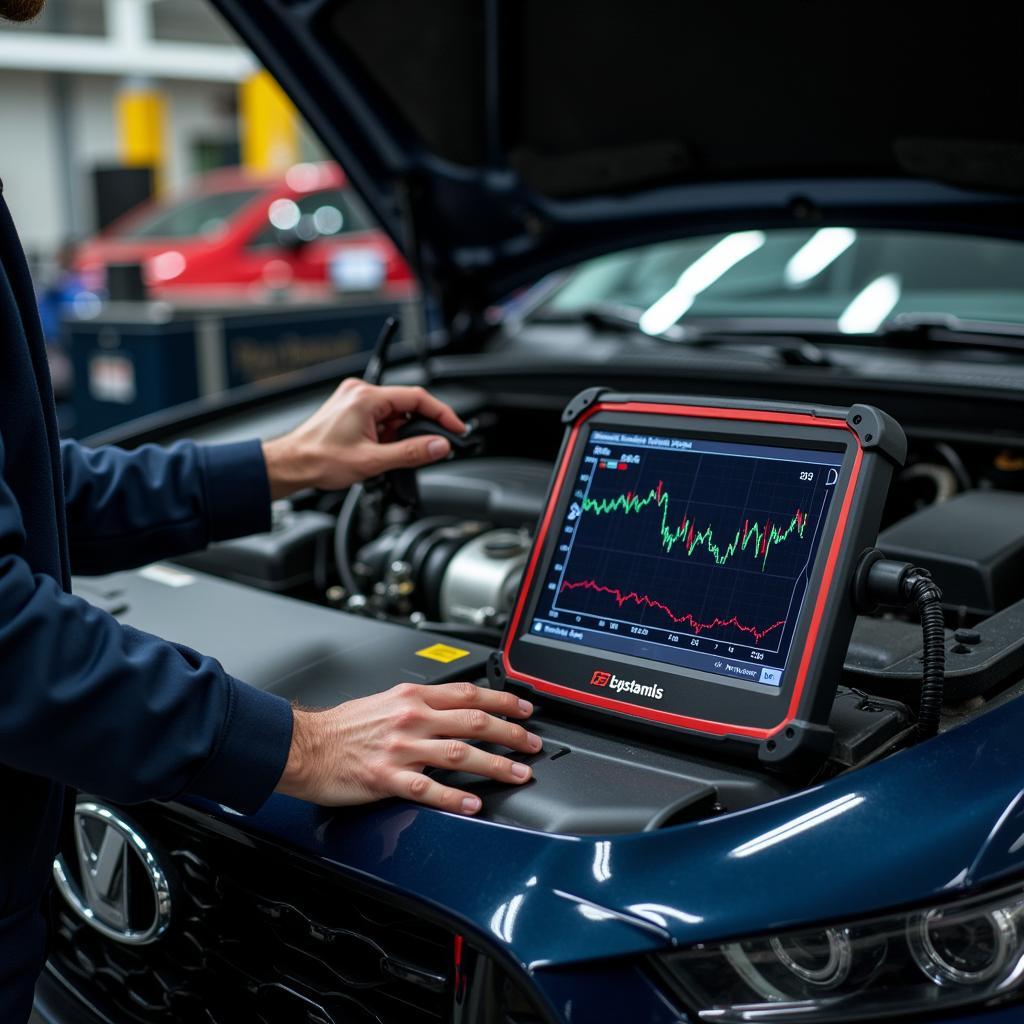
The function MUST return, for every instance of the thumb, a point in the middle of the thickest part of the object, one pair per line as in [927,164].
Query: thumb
[415,451]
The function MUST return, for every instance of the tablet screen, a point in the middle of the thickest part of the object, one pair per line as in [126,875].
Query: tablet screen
[693,552]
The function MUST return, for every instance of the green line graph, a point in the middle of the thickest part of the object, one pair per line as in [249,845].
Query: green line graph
[756,538]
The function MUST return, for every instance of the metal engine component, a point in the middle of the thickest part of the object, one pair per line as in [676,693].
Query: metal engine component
[929,482]
[457,557]
[482,578]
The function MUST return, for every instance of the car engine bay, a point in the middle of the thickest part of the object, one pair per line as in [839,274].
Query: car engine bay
[336,601]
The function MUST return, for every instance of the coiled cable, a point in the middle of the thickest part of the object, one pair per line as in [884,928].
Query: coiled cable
[883,581]
[921,589]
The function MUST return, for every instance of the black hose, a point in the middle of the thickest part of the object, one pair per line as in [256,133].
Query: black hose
[343,540]
[921,589]
[880,580]
[373,374]
[321,567]
[956,464]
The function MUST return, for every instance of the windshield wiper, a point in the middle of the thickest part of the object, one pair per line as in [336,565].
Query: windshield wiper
[792,348]
[799,340]
[606,316]
[926,330]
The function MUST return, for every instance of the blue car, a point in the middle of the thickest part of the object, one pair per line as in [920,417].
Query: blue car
[796,207]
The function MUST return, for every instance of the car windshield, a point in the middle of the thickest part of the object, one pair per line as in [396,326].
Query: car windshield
[853,280]
[196,216]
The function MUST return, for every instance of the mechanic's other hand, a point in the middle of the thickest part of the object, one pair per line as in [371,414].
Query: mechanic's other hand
[378,746]
[350,438]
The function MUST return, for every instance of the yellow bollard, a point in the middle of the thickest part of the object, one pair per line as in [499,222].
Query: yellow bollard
[269,125]
[141,122]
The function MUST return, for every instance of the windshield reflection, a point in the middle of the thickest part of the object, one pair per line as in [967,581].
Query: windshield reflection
[856,279]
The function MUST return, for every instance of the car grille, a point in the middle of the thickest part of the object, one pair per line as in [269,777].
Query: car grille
[261,935]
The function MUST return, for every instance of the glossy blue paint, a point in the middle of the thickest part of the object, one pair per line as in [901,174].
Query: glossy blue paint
[919,826]
[622,992]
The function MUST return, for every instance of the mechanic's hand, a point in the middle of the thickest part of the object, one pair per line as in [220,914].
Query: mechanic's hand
[349,438]
[378,746]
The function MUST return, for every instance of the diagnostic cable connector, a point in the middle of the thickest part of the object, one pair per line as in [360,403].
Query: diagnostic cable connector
[881,581]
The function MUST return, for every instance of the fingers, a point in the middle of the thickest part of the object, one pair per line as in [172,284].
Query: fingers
[459,756]
[476,724]
[424,790]
[378,746]
[465,711]
[448,696]
[386,428]
[416,451]
[388,401]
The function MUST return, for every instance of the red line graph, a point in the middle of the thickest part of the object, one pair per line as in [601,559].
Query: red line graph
[695,626]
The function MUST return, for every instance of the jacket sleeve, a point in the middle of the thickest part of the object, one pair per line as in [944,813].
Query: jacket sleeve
[125,509]
[116,712]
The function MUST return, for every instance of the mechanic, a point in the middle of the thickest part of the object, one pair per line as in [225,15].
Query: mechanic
[90,704]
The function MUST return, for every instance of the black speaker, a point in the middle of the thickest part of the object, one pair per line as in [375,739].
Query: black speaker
[125,282]
[119,189]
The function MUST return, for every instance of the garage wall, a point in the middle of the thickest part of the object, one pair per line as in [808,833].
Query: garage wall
[94,142]
[31,154]
[29,157]
[196,111]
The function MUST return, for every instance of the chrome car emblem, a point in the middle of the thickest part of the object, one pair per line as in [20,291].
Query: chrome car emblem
[119,887]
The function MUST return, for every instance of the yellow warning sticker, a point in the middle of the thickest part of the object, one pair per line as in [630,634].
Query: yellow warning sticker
[442,652]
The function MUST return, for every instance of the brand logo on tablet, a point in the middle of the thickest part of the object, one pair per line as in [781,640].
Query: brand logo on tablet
[613,682]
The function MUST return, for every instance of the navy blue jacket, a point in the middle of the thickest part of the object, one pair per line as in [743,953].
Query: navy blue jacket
[86,702]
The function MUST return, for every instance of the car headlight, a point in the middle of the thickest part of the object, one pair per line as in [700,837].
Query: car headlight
[967,951]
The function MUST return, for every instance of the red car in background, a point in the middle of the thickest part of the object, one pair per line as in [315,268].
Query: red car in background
[239,236]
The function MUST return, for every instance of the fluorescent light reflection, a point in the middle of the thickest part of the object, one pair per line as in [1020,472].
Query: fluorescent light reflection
[504,917]
[658,913]
[602,857]
[698,276]
[801,824]
[821,250]
[593,913]
[871,306]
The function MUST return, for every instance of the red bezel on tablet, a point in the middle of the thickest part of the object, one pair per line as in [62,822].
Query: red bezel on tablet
[854,517]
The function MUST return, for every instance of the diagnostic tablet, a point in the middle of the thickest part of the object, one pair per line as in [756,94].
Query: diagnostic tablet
[692,569]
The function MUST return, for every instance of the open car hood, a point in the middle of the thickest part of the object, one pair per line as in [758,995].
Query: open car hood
[497,140]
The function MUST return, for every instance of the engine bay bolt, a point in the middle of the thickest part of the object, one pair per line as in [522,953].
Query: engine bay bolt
[504,544]
[335,595]
[485,616]
[356,603]
[401,570]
